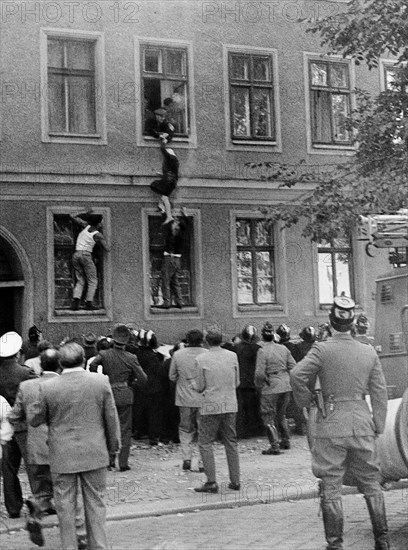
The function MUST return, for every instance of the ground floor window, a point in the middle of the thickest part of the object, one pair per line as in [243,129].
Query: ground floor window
[255,260]
[335,272]
[65,233]
[185,278]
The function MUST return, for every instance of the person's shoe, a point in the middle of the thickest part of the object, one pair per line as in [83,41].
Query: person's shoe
[208,487]
[89,305]
[82,543]
[178,306]
[186,464]
[75,304]
[234,486]
[284,444]
[33,525]
[153,442]
[271,451]
[124,468]
[163,307]
[14,516]
[201,469]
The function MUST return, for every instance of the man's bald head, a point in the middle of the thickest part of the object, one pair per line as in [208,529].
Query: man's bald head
[50,360]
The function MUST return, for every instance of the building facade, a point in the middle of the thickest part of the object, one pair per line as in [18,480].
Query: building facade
[243,85]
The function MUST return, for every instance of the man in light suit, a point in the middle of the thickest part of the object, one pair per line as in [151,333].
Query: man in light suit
[80,411]
[37,451]
[343,431]
[217,380]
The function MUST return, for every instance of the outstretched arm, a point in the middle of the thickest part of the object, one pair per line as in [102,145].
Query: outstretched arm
[99,238]
[78,220]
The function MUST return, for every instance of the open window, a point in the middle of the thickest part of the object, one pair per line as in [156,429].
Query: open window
[156,253]
[63,233]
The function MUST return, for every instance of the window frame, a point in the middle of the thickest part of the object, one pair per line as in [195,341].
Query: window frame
[84,315]
[279,307]
[188,141]
[252,143]
[100,137]
[326,148]
[333,250]
[195,311]
[384,66]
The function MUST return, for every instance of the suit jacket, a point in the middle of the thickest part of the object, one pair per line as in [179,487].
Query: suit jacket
[183,370]
[80,411]
[347,370]
[11,374]
[217,380]
[22,411]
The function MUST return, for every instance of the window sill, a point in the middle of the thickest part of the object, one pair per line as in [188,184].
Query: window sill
[258,310]
[176,142]
[246,145]
[68,315]
[321,149]
[157,310]
[81,139]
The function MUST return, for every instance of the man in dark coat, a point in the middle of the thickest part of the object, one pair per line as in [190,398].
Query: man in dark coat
[248,418]
[11,374]
[342,429]
[152,396]
[123,370]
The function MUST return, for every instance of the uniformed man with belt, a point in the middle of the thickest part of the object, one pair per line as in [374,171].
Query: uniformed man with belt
[342,429]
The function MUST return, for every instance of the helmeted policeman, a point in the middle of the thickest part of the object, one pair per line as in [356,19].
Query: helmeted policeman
[342,429]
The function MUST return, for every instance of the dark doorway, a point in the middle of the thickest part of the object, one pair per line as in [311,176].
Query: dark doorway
[7,301]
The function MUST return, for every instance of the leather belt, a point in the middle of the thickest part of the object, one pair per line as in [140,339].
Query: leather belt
[340,398]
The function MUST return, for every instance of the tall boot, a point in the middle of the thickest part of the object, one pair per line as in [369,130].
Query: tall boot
[273,437]
[285,443]
[333,522]
[376,509]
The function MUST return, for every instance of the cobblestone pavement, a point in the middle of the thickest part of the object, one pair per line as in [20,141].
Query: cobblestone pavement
[157,486]
[291,525]
[156,481]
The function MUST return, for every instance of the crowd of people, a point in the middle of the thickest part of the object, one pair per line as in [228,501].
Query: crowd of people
[200,389]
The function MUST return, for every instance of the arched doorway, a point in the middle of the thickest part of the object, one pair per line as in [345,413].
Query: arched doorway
[16,299]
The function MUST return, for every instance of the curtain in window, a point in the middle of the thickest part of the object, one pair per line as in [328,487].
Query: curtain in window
[321,116]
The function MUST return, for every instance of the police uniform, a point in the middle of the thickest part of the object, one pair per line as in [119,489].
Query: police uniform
[342,436]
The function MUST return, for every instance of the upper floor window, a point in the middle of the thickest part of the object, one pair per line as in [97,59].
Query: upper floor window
[330,102]
[255,261]
[251,94]
[165,79]
[335,273]
[71,86]
[73,103]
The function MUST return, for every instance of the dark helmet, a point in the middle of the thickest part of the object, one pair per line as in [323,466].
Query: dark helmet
[249,333]
[283,331]
[267,329]
[342,313]
[308,334]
